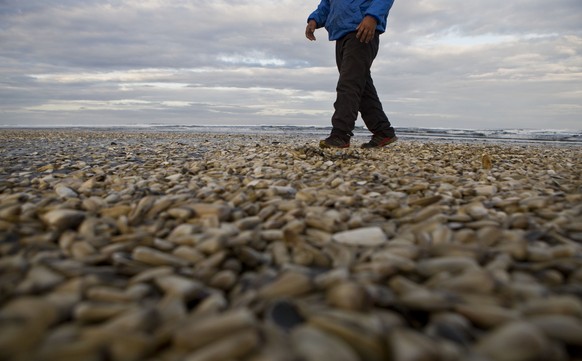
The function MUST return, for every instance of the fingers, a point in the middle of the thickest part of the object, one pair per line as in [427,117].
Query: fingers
[364,35]
[359,31]
[309,32]
[366,29]
[369,36]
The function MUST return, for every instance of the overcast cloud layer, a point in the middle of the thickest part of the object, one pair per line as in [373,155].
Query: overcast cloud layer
[442,63]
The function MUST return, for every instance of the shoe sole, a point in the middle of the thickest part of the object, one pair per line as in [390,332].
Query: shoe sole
[392,140]
[323,144]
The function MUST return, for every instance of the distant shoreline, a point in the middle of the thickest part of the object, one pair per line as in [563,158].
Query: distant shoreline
[511,136]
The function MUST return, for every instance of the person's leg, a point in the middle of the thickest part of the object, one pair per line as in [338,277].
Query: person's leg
[354,60]
[372,112]
[371,109]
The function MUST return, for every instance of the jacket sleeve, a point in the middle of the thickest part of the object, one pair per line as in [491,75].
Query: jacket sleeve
[320,15]
[379,9]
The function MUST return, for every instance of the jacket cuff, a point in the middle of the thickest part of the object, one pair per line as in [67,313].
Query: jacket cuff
[378,20]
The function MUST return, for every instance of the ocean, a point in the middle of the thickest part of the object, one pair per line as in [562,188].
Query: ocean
[556,136]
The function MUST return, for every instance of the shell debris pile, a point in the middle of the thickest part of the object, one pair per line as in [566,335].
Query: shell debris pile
[137,245]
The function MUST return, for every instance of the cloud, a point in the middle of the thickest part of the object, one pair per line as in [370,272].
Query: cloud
[453,63]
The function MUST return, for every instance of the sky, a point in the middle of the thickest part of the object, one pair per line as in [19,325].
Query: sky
[468,64]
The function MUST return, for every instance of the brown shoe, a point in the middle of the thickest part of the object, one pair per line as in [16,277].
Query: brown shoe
[334,141]
[378,141]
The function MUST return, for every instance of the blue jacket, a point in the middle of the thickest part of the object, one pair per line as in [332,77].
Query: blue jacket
[343,16]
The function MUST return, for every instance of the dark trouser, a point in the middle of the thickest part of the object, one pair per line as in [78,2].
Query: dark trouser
[355,88]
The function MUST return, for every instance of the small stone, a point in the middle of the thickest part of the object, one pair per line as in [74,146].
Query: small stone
[533,203]
[388,256]
[174,177]
[98,312]
[194,335]
[249,223]
[82,249]
[336,182]
[180,213]
[425,300]
[189,254]
[116,211]
[427,201]
[313,344]
[369,236]
[183,231]
[180,286]
[39,279]
[516,341]
[289,284]
[409,345]
[132,320]
[450,326]
[305,196]
[476,210]
[287,192]
[446,264]
[108,294]
[562,328]
[31,317]
[133,346]
[229,348]
[65,192]
[349,296]
[63,219]
[470,281]
[559,305]
[284,315]
[204,210]
[352,330]
[70,350]
[224,280]
[157,258]
[487,316]
[486,190]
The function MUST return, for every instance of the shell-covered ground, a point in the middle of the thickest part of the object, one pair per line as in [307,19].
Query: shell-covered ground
[182,246]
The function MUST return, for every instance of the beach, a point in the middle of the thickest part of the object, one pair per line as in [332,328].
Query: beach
[151,245]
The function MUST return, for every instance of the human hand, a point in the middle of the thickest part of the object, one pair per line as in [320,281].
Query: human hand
[366,29]
[310,29]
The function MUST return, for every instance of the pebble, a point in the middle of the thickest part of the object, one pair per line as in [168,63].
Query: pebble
[63,219]
[156,258]
[227,348]
[65,192]
[562,328]
[515,341]
[39,279]
[194,335]
[364,341]
[369,236]
[486,190]
[287,285]
[180,286]
[433,266]
[349,296]
[313,344]
[136,245]
[408,345]
[98,312]
[487,316]
[566,305]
